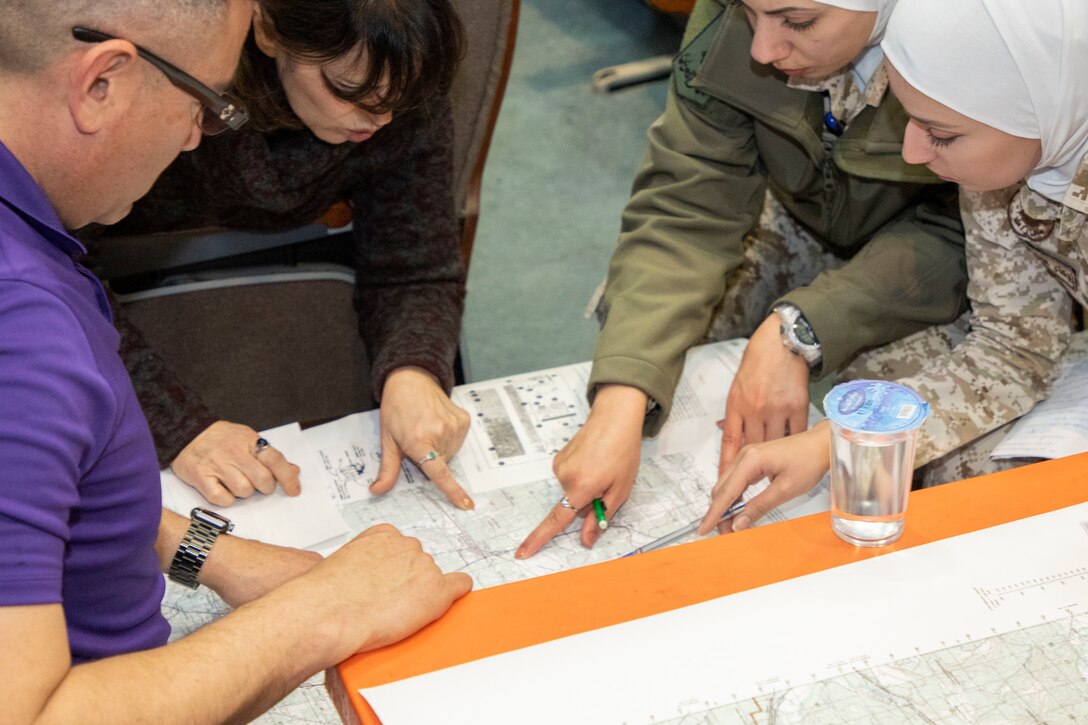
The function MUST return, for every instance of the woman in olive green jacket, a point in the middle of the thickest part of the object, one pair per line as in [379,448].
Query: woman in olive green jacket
[762,187]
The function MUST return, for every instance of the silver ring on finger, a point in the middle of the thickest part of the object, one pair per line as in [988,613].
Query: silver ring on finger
[431,455]
[565,503]
[262,443]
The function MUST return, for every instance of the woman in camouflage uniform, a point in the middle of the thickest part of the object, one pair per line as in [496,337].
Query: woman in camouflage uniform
[996,94]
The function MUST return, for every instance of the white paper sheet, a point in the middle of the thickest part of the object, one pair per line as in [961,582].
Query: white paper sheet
[347,455]
[1057,426]
[699,402]
[520,422]
[300,521]
[518,425]
[689,662]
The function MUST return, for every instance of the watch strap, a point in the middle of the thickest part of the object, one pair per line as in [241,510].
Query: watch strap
[204,528]
[792,320]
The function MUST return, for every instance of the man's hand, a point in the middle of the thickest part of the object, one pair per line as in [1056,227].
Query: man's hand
[375,591]
[380,588]
[223,463]
[794,465]
[417,417]
[769,396]
[600,461]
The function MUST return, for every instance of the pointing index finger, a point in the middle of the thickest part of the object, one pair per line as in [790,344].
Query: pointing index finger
[438,471]
[558,519]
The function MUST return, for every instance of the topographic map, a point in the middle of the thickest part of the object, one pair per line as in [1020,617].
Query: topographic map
[1034,675]
[519,423]
[989,626]
[1037,674]
[482,543]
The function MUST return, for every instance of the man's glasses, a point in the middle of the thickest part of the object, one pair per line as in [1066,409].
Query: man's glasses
[219,111]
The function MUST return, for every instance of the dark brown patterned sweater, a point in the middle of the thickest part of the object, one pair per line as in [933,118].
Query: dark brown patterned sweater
[410,279]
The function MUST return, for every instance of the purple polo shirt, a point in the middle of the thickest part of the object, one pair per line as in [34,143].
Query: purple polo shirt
[79,484]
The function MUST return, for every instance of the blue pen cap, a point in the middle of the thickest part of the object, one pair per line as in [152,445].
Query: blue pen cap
[875,406]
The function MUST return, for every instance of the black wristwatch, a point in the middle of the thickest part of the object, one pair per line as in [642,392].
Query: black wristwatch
[798,336]
[204,528]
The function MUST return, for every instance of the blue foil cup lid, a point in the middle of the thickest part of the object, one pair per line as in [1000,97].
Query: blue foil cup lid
[875,406]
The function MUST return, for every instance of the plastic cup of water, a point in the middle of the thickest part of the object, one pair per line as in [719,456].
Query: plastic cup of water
[874,428]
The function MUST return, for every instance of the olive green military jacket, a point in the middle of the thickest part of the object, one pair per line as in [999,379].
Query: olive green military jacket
[731,130]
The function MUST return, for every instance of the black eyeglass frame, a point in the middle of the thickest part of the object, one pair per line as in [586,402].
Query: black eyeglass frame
[221,108]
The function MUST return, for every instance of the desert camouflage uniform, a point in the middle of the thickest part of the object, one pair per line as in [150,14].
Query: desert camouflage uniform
[1057,234]
[1026,258]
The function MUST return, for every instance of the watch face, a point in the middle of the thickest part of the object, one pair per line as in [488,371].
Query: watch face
[803,332]
[210,518]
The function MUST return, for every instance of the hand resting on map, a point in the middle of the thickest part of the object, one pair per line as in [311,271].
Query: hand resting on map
[794,465]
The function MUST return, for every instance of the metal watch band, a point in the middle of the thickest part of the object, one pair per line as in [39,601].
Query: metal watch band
[791,318]
[204,528]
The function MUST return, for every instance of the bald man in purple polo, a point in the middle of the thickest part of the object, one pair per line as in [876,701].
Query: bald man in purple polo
[90,113]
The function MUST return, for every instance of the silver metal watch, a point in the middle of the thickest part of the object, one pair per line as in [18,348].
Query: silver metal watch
[204,528]
[797,335]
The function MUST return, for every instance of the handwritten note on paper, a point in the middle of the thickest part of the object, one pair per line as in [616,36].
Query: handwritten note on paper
[1058,426]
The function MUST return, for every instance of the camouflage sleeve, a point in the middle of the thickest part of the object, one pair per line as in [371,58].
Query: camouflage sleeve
[1021,323]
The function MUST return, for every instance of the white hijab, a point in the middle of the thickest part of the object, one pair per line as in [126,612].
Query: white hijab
[882,8]
[1020,66]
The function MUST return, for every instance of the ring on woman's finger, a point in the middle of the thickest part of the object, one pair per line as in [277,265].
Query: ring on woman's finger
[565,503]
[262,443]
[431,455]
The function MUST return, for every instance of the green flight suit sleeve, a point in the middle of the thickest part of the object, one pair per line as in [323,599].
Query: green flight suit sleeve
[699,190]
[912,274]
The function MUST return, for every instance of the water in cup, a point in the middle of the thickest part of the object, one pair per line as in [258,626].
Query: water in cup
[874,426]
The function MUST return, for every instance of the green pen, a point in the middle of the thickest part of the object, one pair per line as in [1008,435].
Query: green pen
[599,508]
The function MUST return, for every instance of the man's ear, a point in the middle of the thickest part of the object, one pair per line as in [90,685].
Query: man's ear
[104,84]
[265,33]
